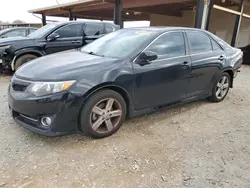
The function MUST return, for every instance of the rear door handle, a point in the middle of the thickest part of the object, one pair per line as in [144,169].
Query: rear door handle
[221,58]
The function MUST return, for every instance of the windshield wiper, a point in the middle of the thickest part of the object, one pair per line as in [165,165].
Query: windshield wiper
[93,53]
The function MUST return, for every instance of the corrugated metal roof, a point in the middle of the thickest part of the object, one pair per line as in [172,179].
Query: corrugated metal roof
[64,5]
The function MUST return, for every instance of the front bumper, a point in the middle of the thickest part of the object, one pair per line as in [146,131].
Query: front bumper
[27,111]
[5,60]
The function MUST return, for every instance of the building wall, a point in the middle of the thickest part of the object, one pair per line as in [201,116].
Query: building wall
[221,24]
[186,20]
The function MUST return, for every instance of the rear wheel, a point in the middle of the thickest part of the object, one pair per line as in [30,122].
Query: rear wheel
[103,114]
[221,88]
[24,59]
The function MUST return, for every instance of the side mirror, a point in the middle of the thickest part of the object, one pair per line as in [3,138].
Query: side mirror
[3,36]
[53,37]
[145,57]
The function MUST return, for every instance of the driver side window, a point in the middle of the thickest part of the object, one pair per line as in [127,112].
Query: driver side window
[68,31]
[169,45]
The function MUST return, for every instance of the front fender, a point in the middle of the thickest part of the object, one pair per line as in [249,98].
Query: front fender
[26,51]
[86,92]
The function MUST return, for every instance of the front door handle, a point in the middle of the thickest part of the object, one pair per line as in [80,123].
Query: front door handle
[185,65]
[76,42]
[221,58]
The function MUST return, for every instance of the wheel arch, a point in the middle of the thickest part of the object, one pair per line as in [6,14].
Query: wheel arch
[35,52]
[123,92]
[231,74]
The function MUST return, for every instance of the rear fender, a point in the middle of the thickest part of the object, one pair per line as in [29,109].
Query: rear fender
[215,77]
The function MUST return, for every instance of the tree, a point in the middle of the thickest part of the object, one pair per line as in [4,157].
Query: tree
[2,22]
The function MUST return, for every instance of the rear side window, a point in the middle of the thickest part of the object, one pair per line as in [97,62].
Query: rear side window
[93,29]
[16,33]
[199,42]
[109,29]
[69,31]
[169,45]
[216,47]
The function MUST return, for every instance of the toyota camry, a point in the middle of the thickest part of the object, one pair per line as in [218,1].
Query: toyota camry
[127,73]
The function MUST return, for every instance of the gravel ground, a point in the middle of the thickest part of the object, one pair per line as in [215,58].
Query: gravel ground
[197,145]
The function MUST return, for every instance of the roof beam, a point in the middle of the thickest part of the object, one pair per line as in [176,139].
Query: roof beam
[162,11]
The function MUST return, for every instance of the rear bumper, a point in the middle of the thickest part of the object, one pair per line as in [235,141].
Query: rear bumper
[236,73]
[62,108]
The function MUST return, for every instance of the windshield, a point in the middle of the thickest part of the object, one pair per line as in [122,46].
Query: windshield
[42,31]
[118,44]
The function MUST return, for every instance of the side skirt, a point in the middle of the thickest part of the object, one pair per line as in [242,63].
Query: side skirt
[155,109]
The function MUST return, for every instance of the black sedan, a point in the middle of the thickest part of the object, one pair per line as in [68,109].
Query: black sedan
[127,73]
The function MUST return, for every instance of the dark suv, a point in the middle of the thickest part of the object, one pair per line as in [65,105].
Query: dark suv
[49,39]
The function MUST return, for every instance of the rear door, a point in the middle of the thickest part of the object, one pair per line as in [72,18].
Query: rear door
[92,31]
[207,60]
[70,37]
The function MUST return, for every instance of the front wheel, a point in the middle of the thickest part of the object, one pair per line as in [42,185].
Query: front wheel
[24,59]
[102,114]
[221,88]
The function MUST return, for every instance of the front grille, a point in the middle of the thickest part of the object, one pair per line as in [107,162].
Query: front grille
[19,87]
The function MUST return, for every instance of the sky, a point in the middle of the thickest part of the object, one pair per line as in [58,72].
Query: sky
[11,10]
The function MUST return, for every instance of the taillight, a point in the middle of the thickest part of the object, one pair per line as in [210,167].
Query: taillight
[241,54]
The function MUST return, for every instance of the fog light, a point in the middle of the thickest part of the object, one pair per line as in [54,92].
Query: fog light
[46,121]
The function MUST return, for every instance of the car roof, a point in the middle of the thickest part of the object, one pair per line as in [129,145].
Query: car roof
[164,29]
[96,22]
[14,28]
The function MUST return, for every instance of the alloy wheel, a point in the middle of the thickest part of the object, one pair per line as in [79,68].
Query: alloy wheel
[222,87]
[106,115]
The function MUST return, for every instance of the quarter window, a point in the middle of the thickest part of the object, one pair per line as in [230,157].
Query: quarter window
[93,29]
[69,31]
[216,47]
[199,42]
[109,29]
[169,45]
[32,30]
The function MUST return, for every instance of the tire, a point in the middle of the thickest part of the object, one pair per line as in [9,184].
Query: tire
[24,59]
[223,89]
[96,114]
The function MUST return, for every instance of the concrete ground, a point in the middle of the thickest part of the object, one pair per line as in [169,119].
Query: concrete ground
[197,145]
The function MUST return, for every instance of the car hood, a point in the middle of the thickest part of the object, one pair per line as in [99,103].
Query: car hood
[10,40]
[68,65]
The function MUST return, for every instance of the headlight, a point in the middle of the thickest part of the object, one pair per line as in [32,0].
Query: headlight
[5,47]
[46,88]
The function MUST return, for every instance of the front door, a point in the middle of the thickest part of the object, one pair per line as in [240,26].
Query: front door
[165,80]
[71,36]
[207,61]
